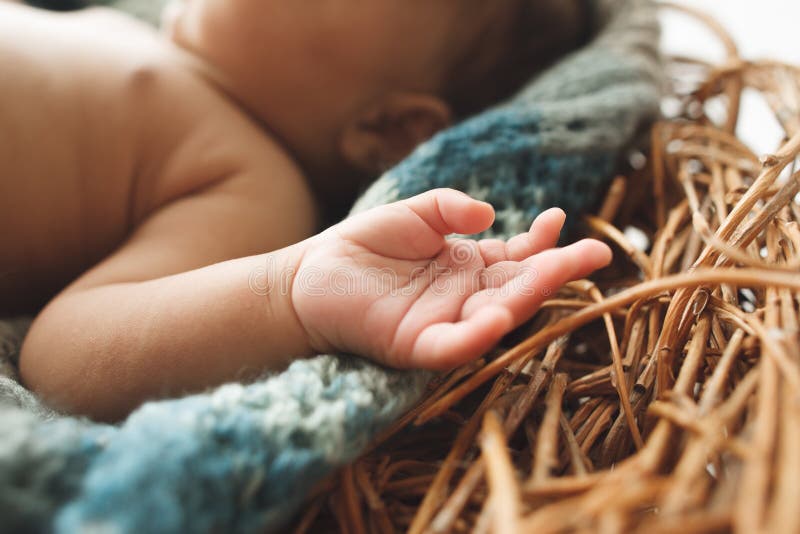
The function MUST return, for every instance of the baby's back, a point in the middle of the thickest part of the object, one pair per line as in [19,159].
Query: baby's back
[63,159]
[100,126]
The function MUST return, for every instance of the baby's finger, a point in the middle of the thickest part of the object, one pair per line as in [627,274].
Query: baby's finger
[500,273]
[414,229]
[447,345]
[493,251]
[452,212]
[539,278]
[544,234]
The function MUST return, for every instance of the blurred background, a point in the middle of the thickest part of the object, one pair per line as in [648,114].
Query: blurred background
[763,29]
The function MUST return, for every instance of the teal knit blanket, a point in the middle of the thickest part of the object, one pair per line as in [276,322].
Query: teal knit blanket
[243,458]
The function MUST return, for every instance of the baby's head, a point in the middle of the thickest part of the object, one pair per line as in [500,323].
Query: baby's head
[356,84]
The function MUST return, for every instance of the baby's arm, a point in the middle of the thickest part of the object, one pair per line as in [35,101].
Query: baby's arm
[151,321]
[384,284]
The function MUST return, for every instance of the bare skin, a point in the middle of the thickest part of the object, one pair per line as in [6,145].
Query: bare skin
[142,188]
[86,166]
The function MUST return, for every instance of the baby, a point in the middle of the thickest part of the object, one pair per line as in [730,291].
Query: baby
[159,194]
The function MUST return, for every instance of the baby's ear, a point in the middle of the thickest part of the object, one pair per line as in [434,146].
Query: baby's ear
[386,132]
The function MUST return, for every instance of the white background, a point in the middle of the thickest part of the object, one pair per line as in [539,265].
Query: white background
[763,29]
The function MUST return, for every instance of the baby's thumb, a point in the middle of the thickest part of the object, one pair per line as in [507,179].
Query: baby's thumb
[414,229]
[448,211]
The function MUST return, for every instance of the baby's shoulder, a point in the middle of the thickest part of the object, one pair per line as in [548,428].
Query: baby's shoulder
[190,135]
[187,134]
[196,138]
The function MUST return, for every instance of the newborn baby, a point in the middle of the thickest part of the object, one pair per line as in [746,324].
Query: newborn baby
[159,194]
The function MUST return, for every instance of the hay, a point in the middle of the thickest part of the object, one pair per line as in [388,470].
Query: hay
[663,396]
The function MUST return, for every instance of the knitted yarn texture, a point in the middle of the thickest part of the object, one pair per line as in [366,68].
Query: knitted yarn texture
[243,458]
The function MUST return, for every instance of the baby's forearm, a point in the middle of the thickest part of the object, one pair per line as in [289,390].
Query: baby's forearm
[102,351]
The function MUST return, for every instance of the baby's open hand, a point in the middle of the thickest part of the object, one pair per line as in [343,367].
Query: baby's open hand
[387,284]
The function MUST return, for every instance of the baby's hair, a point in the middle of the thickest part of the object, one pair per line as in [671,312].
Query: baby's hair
[507,54]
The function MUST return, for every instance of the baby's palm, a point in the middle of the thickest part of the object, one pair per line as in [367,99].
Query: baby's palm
[388,285]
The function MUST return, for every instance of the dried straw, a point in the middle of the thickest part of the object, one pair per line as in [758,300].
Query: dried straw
[664,396]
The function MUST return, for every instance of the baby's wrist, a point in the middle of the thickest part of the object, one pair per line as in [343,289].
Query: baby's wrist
[279,282]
